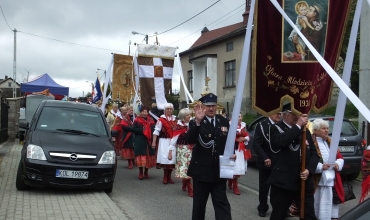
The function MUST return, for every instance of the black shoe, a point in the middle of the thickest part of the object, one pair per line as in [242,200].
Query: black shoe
[262,214]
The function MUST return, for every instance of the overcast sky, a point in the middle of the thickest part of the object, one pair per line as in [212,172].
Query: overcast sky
[98,24]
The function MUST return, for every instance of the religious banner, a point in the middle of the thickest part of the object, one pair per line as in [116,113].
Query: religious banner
[155,69]
[284,69]
[123,83]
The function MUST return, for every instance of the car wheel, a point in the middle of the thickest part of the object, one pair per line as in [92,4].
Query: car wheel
[352,176]
[19,183]
[109,190]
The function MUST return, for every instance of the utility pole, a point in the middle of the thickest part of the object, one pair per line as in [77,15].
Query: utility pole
[15,64]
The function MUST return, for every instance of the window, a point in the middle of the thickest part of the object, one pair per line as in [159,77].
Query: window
[10,84]
[230,73]
[190,80]
[229,46]
[63,119]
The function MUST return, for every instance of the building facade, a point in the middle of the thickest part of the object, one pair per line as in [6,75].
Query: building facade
[6,85]
[215,59]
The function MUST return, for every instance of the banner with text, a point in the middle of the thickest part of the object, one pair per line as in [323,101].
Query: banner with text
[284,69]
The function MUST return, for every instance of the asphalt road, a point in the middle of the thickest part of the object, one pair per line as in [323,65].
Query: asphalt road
[151,199]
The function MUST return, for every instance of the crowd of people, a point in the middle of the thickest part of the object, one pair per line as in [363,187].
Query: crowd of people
[191,147]
[277,143]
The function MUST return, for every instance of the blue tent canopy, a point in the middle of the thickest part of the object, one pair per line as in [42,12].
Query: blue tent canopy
[44,82]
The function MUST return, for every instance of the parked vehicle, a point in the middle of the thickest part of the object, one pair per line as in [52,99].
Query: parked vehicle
[67,144]
[351,144]
[359,212]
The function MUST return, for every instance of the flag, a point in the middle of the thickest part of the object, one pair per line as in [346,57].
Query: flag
[97,91]
[155,69]
[284,69]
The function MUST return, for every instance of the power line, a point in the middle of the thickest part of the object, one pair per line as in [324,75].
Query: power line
[71,42]
[62,41]
[5,18]
[188,19]
[210,23]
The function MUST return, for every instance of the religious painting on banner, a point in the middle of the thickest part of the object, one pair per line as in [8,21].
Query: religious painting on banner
[155,67]
[284,69]
[123,83]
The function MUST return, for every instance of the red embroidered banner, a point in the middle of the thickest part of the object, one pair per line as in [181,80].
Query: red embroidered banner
[284,69]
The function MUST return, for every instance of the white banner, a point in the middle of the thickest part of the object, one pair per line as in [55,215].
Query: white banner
[106,83]
[186,91]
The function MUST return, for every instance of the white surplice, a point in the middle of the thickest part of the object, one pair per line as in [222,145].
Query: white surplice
[324,207]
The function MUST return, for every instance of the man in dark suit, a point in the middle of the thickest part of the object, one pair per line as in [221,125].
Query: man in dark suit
[286,175]
[209,133]
[261,145]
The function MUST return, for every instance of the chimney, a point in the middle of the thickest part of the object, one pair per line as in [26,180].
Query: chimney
[246,13]
[6,76]
[205,29]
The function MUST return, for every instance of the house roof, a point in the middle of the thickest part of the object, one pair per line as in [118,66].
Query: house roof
[209,37]
[9,78]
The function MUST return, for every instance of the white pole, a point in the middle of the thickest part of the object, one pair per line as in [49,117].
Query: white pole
[15,64]
[341,105]
[229,148]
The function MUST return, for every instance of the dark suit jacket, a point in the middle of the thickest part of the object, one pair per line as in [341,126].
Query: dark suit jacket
[260,145]
[286,164]
[204,165]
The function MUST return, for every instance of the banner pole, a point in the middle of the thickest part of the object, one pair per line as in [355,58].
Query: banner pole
[347,70]
[230,141]
[303,167]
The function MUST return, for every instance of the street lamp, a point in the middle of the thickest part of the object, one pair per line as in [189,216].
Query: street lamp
[146,36]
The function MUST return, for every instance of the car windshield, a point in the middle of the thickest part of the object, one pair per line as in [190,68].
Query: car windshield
[347,128]
[68,119]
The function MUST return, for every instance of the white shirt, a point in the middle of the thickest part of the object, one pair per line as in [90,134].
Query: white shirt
[214,120]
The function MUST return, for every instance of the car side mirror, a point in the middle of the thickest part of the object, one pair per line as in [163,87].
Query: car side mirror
[114,133]
[24,125]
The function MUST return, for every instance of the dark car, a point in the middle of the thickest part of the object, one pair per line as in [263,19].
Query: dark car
[69,145]
[351,144]
[359,212]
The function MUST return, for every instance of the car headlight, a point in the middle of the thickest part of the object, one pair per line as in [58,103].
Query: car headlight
[108,157]
[35,152]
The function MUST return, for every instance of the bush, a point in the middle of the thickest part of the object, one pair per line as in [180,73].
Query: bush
[249,117]
[350,111]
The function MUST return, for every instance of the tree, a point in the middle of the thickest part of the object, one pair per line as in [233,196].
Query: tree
[174,99]
[88,94]
[356,59]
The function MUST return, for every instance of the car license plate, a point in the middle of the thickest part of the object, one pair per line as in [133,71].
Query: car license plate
[345,149]
[72,174]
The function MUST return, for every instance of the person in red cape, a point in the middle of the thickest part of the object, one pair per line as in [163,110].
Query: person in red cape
[117,127]
[326,175]
[242,154]
[144,154]
[164,131]
[365,169]
[183,150]
[127,138]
